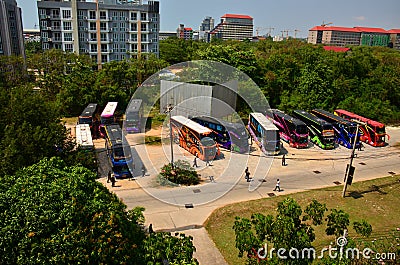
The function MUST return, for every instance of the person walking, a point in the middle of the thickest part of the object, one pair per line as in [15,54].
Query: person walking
[113,180]
[284,160]
[143,170]
[247,174]
[360,145]
[108,176]
[195,161]
[278,185]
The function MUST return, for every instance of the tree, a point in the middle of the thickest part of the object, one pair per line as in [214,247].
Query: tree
[52,213]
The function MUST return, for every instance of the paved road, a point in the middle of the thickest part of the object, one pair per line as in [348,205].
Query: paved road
[187,208]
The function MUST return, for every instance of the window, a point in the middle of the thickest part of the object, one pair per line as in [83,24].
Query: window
[92,14]
[134,16]
[45,46]
[103,26]
[67,25]
[122,37]
[93,47]
[103,15]
[144,47]
[104,58]
[133,37]
[56,25]
[103,47]
[69,47]
[81,14]
[122,26]
[42,12]
[55,13]
[93,36]
[133,47]
[143,16]
[45,35]
[134,27]
[66,13]
[103,36]
[57,36]
[143,27]
[92,26]
[81,36]
[144,37]
[67,36]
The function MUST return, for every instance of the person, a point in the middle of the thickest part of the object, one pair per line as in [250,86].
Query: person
[143,170]
[108,176]
[207,162]
[360,145]
[195,161]
[112,180]
[278,185]
[247,174]
[283,160]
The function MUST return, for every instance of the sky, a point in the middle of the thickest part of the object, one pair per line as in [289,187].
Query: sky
[281,15]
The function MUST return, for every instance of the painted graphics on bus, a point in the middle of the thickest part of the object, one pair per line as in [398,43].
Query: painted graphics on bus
[194,137]
[264,133]
[345,131]
[228,135]
[371,132]
[118,151]
[84,137]
[89,116]
[107,117]
[292,130]
[320,131]
[134,116]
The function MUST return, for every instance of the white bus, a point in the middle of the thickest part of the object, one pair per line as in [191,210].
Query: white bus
[84,137]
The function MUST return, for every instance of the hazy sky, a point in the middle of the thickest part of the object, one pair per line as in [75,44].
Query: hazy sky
[280,15]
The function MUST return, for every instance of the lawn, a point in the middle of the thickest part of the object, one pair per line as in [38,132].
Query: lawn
[376,201]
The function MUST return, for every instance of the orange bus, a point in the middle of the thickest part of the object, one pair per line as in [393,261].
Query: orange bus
[194,137]
[372,132]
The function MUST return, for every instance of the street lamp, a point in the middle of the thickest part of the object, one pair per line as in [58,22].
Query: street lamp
[168,110]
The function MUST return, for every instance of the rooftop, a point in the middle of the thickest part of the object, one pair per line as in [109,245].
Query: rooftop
[236,16]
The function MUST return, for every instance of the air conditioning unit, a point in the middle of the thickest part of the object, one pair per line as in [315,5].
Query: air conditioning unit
[110,30]
[126,18]
[111,50]
[50,39]
[111,40]
[85,29]
[48,28]
[87,40]
[84,17]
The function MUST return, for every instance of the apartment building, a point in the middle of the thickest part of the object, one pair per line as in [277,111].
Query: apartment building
[11,37]
[205,27]
[233,27]
[184,32]
[107,30]
[356,36]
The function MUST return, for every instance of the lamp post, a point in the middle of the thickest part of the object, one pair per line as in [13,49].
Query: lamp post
[168,110]
[350,169]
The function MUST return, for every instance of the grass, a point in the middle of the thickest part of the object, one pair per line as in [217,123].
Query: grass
[375,201]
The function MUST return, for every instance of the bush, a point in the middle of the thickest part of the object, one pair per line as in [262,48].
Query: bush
[180,173]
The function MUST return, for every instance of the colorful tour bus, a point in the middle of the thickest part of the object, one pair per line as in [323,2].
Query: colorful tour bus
[107,116]
[231,136]
[372,132]
[88,116]
[194,137]
[118,151]
[345,130]
[133,116]
[264,133]
[291,130]
[320,131]
[83,137]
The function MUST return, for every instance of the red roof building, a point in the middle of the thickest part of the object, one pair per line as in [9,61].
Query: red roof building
[344,36]
[336,49]
[233,27]
[184,32]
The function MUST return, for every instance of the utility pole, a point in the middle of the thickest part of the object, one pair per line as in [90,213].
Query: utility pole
[350,169]
[168,110]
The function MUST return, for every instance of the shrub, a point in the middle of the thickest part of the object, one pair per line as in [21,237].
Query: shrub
[180,173]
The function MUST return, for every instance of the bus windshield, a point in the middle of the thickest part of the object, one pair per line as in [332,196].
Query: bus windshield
[85,120]
[327,127]
[132,116]
[380,130]
[207,141]
[107,120]
[301,129]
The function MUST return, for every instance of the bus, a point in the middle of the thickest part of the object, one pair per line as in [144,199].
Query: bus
[84,137]
[372,132]
[264,133]
[88,116]
[292,130]
[194,137]
[320,131]
[118,151]
[133,116]
[107,117]
[345,130]
[231,136]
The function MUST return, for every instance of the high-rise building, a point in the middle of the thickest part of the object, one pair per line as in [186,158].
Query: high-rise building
[205,27]
[233,27]
[11,37]
[107,30]
[343,36]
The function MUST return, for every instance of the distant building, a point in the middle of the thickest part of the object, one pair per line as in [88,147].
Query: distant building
[394,38]
[114,30]
[233,27]
[343,36]
[11,38]
[205,27]
[163,35]
[184,33]
[31,35]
